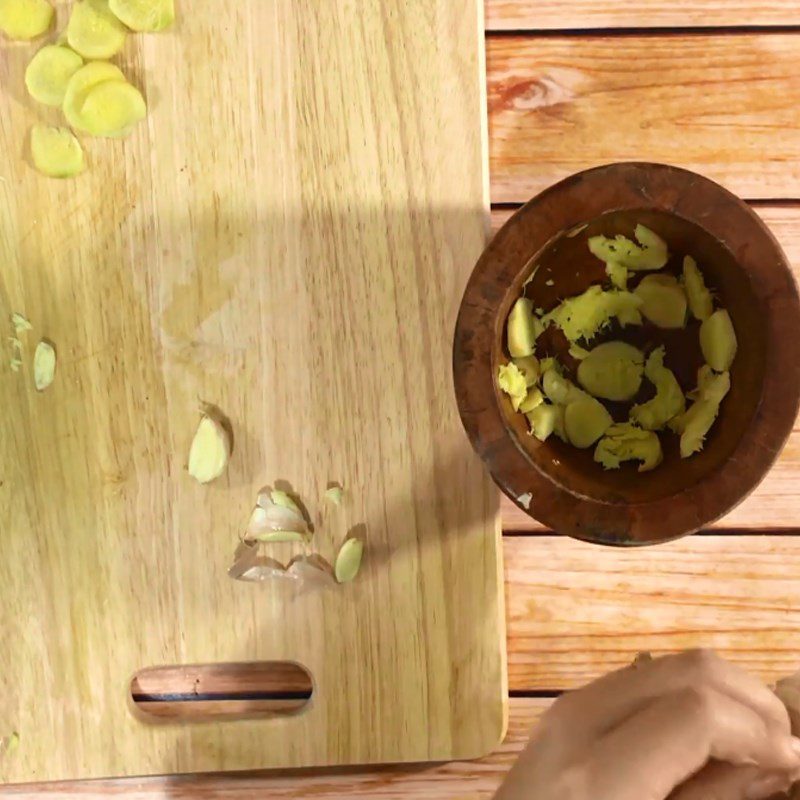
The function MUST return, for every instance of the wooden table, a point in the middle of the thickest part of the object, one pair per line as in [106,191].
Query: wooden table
[572,85]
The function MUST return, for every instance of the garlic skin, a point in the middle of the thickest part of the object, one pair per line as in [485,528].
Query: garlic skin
[44,365]
[210,450]
[20,323]
[311,572]
[269,517]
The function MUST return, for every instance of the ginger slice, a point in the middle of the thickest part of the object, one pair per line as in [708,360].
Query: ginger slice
[93,31]
[144,16]
[81,83]
[112,109]
[25,19]
[48,74]
[56,152]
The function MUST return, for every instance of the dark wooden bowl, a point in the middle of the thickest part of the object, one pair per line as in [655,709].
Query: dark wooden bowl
[739,258]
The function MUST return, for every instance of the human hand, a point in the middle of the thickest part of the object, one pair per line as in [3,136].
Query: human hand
[685,727]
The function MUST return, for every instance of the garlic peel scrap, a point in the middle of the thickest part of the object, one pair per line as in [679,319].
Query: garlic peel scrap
[244,558]
[348,562]
[210,450]
[264,569]
[311,572]
[20,323]
[44,365]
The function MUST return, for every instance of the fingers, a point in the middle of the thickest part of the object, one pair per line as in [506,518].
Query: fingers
[607,702]
[669,741]
[725,782]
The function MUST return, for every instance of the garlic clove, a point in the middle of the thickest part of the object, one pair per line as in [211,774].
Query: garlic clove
[277,537]
[271,517]
[335,495]
[210,450]
[44,365]
[348,561]
[280,498]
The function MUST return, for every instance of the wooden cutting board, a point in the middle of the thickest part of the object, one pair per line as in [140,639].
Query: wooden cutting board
[286,237]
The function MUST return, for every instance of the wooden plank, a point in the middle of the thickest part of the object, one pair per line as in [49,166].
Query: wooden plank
[776,502]
[722,105]
[253,244]
[508,15]
[476,780]
[576,611]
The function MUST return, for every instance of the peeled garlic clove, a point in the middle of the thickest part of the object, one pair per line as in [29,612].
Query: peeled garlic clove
[44,365]
[664,301]
[210,450]
[335,494]
[532,399]
[348,562]
[278,537]
[545,419]
[585,421]
[523,329]
[701,303]
[718,340]
[280,498]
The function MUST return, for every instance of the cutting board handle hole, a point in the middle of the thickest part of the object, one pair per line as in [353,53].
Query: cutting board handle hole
[206,692]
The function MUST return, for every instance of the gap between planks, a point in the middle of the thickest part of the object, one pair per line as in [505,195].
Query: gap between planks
[505,15]
[775,502]
[576,611]
[476,780]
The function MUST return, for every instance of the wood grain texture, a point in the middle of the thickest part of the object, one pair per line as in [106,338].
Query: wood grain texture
[721,105]
[775,502]
[476,780]
[286,237]
[505,15]
[576,611]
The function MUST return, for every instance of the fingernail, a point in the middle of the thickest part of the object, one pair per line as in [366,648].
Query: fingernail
[766,785]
